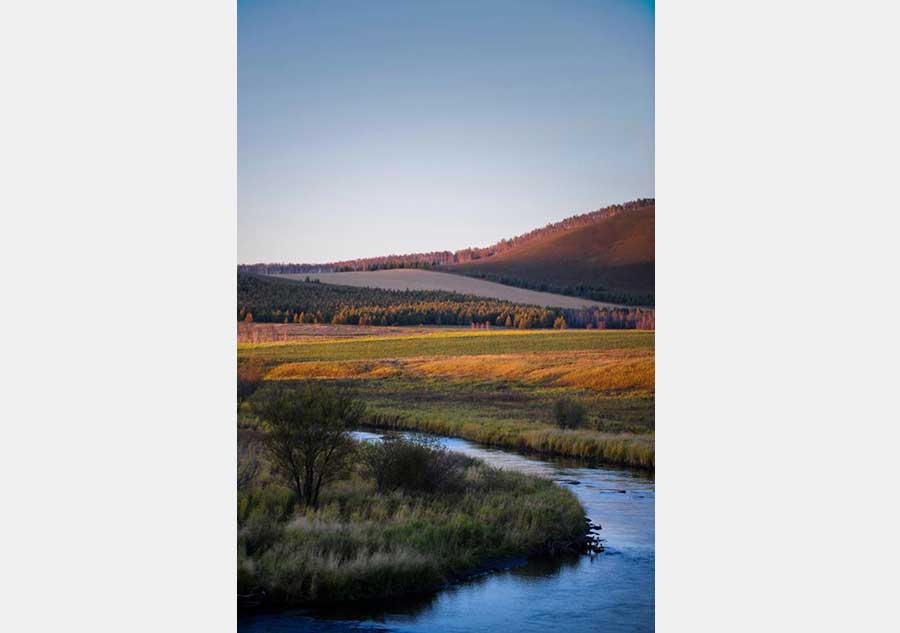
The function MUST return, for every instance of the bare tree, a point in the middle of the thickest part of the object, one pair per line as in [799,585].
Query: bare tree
[308,435]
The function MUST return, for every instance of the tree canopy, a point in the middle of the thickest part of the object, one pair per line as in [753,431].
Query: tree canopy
[308,434]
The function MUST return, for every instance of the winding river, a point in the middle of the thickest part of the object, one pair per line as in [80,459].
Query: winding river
[613,591]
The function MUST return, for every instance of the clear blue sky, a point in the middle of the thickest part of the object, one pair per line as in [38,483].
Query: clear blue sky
[367,128]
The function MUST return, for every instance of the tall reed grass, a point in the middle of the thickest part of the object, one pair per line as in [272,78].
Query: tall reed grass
[621,449]
[362,544]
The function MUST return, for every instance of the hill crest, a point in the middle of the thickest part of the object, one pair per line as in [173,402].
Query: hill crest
[438,259]
[611,258]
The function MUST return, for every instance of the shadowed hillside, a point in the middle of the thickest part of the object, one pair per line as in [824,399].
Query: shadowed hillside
[609,259]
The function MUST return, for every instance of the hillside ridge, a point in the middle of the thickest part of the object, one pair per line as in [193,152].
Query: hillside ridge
[446,259]
[611,259]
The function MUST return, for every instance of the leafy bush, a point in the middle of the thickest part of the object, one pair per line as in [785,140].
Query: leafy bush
[569,414]
[414,466]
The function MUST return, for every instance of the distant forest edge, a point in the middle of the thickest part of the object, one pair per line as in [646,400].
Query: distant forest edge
[595,293]
[580,284]
[276,300]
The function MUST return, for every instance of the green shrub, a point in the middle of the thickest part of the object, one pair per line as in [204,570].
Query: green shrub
[414,466]
[569,414]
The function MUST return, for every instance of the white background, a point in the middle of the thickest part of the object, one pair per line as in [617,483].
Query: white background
[776,258]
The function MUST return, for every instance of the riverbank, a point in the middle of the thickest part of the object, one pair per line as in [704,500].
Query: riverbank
[623,449]
[363,544]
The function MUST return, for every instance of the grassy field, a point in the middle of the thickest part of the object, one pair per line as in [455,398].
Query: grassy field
[414,279]
[451,343]
[496,387]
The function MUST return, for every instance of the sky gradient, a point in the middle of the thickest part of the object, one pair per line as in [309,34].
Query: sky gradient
[370,128]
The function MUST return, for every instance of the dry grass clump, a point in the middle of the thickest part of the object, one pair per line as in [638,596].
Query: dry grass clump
[623,449]
[334,370]
[618,370]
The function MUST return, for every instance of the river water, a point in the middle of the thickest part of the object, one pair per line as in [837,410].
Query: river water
[612,591]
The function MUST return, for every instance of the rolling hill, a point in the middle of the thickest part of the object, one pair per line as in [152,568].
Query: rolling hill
[605,256]
[609,259]
[415,279]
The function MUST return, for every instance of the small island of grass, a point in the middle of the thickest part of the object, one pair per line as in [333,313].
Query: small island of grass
[325,519]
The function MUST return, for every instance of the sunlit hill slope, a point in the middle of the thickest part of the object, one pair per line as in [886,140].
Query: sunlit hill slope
[608,257]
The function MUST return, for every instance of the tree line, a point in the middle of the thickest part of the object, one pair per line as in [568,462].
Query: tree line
[270,300]
[595,293]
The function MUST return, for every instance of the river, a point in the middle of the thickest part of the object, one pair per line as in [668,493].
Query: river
[612,591]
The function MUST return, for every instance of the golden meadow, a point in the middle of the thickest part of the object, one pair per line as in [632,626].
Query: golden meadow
[497,387]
